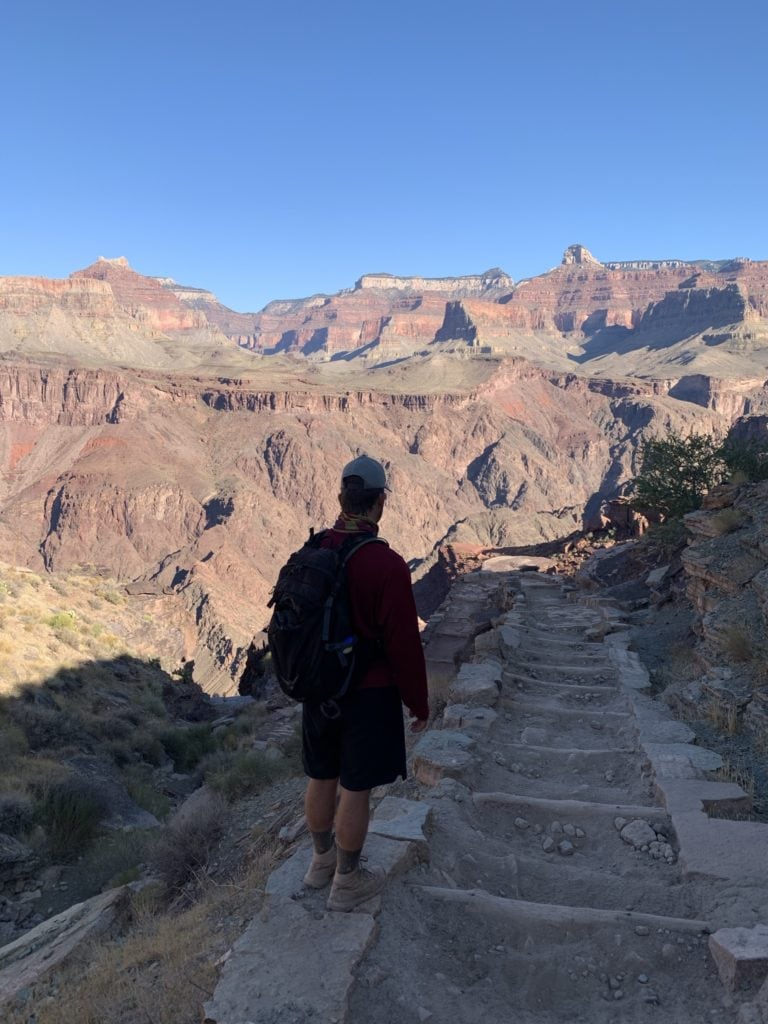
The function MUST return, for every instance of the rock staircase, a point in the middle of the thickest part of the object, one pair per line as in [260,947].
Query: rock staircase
[554,859]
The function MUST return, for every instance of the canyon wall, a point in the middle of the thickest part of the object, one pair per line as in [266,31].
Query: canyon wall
[198,488]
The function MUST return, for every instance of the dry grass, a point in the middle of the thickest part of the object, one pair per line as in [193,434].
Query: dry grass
[738,774]
[163,969]
[726,521]
[737,643]
[183,850]
[724,716]
[52,622]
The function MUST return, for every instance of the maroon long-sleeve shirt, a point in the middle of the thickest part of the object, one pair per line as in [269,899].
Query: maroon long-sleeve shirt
[383,609]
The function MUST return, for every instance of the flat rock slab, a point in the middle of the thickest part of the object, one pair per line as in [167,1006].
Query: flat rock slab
[672,756]
[713,848]
[741,955]
[476,685]
[287,881]
[682,795]
[440,754]
[30,957]
[402,820]
[655,727]
[290,967]
[474,720]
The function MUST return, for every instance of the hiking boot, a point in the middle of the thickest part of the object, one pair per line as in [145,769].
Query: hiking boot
[322,868]
[350,890]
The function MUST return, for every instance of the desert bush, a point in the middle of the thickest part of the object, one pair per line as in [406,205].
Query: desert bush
[248,721]
[737,643]
[67,636]
[112,726]
[183,851]
[153,704]
[140,787]
[70,813]
[61,620]
[148,747]
[13,740]
[726,521]
[187,746]
[47,728]
[16,813]
[120,752]
[242,772]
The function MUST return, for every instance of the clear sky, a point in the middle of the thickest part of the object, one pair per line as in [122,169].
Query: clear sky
[275,149]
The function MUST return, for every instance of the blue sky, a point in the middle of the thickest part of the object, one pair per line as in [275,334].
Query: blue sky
[271,150]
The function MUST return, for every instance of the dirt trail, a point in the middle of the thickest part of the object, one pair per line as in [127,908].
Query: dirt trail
[551,886]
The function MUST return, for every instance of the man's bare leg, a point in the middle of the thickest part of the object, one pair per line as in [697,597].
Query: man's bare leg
[352,816]
[319,810]
[353,885]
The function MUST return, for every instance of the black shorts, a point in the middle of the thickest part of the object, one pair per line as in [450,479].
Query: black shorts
[364,747]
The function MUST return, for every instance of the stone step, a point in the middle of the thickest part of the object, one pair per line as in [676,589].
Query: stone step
[523,912]
[518,700]
[570,808]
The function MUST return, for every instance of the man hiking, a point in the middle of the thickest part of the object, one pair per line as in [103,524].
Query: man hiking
[346,756]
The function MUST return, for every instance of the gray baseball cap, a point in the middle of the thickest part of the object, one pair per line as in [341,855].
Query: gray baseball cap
[369,470]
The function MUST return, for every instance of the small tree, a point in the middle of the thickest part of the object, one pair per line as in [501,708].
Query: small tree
[676,472]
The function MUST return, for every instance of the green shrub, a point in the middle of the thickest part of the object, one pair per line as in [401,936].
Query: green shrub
[139,785]
[149,748]
[112,727]
[61,620]
[676,472]
[47,728]
[187,746]
[241,773]
[70,812]
[152,703]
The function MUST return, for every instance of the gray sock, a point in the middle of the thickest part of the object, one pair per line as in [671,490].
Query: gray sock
[347,861]
[322,841]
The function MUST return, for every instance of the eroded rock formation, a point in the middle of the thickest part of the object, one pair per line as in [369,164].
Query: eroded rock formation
[187,449]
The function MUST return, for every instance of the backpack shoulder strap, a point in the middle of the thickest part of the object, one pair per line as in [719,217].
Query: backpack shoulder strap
[347,552]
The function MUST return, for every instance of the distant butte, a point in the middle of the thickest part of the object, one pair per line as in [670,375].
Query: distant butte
[638,317]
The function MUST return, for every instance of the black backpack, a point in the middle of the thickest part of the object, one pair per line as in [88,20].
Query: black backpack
[315,652]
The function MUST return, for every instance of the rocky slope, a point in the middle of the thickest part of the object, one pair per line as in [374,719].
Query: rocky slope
[726,568]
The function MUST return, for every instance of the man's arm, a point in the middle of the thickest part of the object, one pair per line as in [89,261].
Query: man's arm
[399,625]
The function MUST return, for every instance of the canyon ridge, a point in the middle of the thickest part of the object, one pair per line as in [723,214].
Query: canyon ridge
[155,437]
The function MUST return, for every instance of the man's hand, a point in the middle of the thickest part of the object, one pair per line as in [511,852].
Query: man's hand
[419,724]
